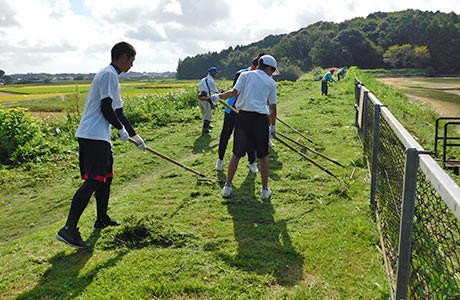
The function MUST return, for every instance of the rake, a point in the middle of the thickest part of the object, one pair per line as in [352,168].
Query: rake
[201,176]
[296,131]
[310,160]
[310,149]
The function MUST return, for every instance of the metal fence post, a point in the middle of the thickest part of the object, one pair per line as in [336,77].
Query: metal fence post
[357,91]
[364,121]
[357,83]
[375,150]
[407,218]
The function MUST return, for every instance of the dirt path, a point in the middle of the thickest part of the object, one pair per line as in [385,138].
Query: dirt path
[444,108]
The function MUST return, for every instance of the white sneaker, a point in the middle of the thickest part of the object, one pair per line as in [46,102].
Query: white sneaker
[227,190]
[219,164]
[270,143]
[265,194]
[253,168]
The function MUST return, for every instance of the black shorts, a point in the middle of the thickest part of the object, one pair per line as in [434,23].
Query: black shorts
[251,126]
[96,159]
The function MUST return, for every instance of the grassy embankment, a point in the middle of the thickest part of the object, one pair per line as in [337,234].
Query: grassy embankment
[314,239]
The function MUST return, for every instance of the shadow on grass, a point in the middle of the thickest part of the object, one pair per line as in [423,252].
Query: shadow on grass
[264,245]
[275,164]
[202,144]
[63,280]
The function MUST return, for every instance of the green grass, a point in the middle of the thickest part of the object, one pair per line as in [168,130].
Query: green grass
[395,72]
[314,239]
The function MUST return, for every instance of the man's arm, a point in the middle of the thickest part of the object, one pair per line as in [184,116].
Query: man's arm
[228,94]
[109,114]
[124,120]
[117,118]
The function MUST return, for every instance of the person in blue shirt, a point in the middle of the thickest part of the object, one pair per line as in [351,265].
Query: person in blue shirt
[327,77]
[229,125]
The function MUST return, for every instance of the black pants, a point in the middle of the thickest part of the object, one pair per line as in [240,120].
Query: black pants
[251,130]
[226,133]
[81,198]
[324,87]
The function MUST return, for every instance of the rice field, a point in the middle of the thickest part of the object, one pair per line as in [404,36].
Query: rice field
[442,93]
[15,98]
[55,98]
[12,94]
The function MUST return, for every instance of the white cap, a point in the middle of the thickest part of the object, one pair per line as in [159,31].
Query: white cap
[270,61]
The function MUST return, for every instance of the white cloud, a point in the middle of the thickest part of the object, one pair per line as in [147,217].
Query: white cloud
[173,7]
[41,37]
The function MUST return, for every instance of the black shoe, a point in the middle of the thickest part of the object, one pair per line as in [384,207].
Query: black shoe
[206,130]
[71,236]
[101,224]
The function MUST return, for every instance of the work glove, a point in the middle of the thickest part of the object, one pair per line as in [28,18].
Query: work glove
[122,134]
[215,98]
[272,131]
[140,142]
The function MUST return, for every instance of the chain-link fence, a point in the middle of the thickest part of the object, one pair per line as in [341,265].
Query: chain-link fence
[417,206]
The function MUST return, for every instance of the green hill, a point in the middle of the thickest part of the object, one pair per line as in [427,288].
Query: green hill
[410,38]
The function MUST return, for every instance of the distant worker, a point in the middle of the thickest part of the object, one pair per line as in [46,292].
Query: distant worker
[327,77]
[103,109]
[229,124]
[206,89]
[315,70]
[341,73]
[252,123]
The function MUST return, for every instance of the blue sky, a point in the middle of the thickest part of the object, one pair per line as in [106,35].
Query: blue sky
[58,36]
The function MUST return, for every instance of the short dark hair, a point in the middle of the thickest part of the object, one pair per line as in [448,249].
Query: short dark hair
[255,61]
[262,66]
[122,48]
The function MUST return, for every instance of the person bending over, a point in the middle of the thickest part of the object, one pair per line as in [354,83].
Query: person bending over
[252,123]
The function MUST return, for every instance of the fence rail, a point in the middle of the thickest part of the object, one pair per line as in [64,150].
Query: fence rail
[417,206]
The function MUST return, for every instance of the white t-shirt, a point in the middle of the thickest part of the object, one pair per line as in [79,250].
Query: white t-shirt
[93,124]
[204,87]
[255,87]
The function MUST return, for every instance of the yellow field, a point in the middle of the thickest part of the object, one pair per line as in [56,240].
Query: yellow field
[10,97]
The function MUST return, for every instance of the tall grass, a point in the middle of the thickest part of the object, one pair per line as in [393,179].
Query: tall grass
[160,110]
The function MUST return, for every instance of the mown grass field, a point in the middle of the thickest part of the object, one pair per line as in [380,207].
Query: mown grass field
[314,239]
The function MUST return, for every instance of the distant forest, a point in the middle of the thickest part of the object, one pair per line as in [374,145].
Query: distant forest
[404,39]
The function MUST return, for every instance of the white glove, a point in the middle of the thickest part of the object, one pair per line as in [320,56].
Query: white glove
[140,142]
[215,98]
[123,134]
[272,131]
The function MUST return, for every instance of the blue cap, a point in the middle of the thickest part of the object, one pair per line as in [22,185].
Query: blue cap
[212,70]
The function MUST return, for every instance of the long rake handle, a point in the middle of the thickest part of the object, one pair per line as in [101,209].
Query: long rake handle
[296,131]
[168,159]
[309,159]
[229,106]
[310,149]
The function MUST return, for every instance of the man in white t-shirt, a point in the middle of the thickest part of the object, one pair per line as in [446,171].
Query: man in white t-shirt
[252,123]
[103,109]
[206,89]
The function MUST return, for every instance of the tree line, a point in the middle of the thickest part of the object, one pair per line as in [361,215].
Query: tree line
[404,39]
